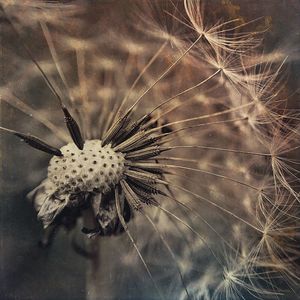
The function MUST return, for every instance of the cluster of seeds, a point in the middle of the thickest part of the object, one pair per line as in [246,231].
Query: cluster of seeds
[95,168]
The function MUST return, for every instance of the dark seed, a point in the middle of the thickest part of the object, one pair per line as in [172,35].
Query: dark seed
[73,128]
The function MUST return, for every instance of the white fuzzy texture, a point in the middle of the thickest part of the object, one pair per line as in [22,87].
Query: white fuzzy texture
[93,168]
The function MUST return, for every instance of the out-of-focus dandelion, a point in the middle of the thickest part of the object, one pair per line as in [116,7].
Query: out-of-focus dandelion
[179,136]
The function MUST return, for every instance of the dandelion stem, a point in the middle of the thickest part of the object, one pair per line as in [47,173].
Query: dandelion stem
[185,91]
[202,219]
[14,101]
[53,52]
[165,73]
[212,174]
[193,230]
[214,204]
[197,126]
[48,82]
[227,111]
[70,122]
[154,57]
[217,149]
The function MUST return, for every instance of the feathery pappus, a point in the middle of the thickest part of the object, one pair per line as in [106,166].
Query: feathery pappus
[167,124]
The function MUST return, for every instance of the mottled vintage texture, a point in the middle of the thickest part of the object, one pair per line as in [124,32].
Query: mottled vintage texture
[169,133]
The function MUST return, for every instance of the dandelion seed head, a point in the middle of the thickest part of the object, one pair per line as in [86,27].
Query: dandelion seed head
[96,167]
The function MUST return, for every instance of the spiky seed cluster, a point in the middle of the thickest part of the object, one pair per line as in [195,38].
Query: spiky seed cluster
[119,162]
[94,168]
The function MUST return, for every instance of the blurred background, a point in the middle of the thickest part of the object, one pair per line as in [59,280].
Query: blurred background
[26,270]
